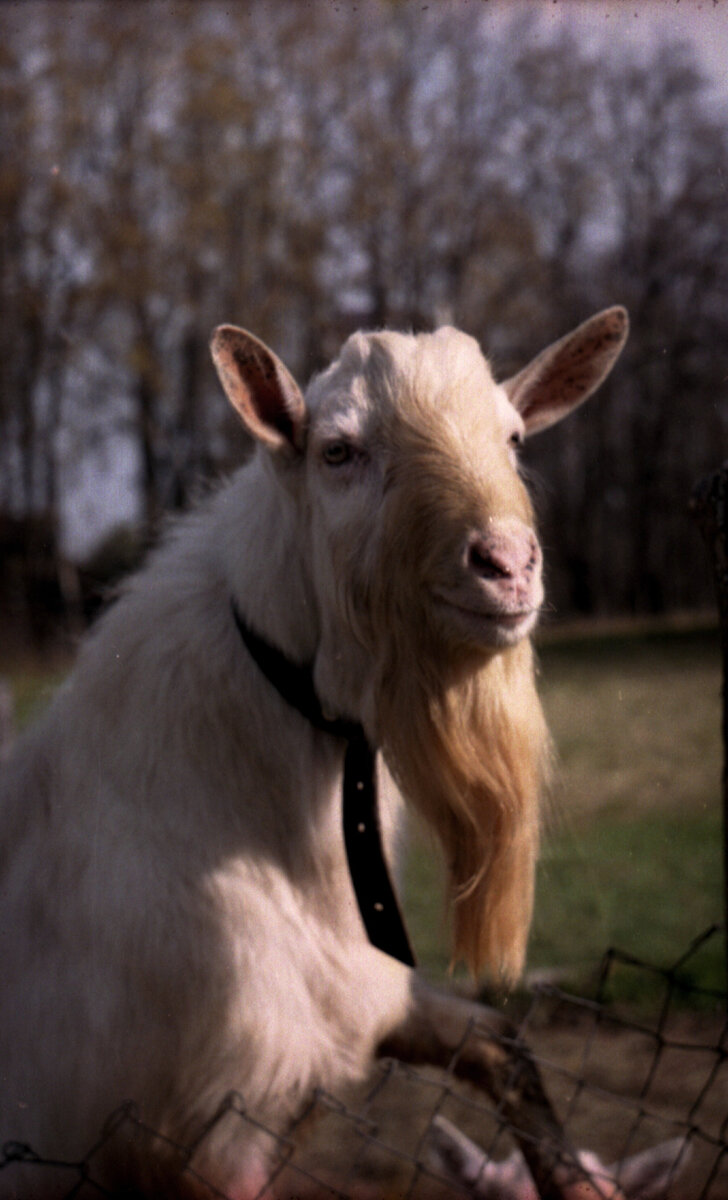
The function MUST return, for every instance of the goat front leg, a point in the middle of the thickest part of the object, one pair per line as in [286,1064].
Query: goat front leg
[479,1045]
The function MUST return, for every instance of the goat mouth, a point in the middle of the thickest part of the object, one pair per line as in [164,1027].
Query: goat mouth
[491,626]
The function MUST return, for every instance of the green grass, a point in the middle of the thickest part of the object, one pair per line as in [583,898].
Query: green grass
[632,853]
[636,721]
[33,683]
[648,885]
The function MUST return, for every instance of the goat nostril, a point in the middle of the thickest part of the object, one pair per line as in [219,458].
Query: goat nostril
[486,562]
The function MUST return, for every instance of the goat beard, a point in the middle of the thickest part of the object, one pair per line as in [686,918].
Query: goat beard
[471,755]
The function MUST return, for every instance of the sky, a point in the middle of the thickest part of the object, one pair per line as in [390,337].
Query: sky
[702,22]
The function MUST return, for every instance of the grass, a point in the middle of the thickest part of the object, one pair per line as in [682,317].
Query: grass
[636,721]
[647,885]
[33,684]
[632,853]
[633,842]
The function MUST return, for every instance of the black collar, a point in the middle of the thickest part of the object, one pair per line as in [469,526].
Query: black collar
[375,894]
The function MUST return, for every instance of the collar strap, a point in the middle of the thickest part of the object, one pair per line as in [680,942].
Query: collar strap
[375,894]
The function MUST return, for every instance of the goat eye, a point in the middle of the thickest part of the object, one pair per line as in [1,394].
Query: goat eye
[335,454]
[516,440]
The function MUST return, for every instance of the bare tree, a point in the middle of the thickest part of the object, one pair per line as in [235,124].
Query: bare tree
[306,169]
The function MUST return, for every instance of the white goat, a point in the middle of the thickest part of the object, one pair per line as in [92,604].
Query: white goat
[643,1176]
[179,918]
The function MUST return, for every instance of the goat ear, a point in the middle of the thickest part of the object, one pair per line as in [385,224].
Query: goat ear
[565,374]
[452,1154]
[647,1176]
[260,388]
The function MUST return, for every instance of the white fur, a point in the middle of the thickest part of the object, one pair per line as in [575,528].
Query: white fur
[178,917]
[175,894]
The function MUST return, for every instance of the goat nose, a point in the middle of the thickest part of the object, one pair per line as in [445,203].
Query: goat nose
[503,555]
[489,560]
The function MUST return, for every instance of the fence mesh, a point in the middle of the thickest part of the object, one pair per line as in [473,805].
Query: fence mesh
[621,1082]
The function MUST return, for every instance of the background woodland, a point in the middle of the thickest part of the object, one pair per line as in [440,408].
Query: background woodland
[305,169]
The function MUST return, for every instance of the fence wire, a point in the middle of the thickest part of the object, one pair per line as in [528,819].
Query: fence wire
[620,1083]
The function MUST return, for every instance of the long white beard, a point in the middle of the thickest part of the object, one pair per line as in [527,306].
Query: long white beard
[472,757]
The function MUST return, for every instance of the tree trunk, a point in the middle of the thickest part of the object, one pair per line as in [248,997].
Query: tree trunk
[709,504]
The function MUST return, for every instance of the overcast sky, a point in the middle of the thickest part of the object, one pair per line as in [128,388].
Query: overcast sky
[703,22]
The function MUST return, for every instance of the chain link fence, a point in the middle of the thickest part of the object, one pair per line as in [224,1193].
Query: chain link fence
[621,1082]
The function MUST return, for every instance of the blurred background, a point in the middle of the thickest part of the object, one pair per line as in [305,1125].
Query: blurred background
[309,167]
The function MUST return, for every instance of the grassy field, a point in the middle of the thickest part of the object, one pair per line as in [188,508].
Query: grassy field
[33,684]
[632,845]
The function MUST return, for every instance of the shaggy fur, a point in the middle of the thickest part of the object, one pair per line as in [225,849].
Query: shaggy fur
[460,724]
[178,918]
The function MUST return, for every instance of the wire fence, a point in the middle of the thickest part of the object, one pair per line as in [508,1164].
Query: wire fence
[620,1083]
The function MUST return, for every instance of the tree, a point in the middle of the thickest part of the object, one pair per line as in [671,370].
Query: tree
[308,169]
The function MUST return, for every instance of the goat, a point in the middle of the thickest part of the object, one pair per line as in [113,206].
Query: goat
[179,919]
[643,1176]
